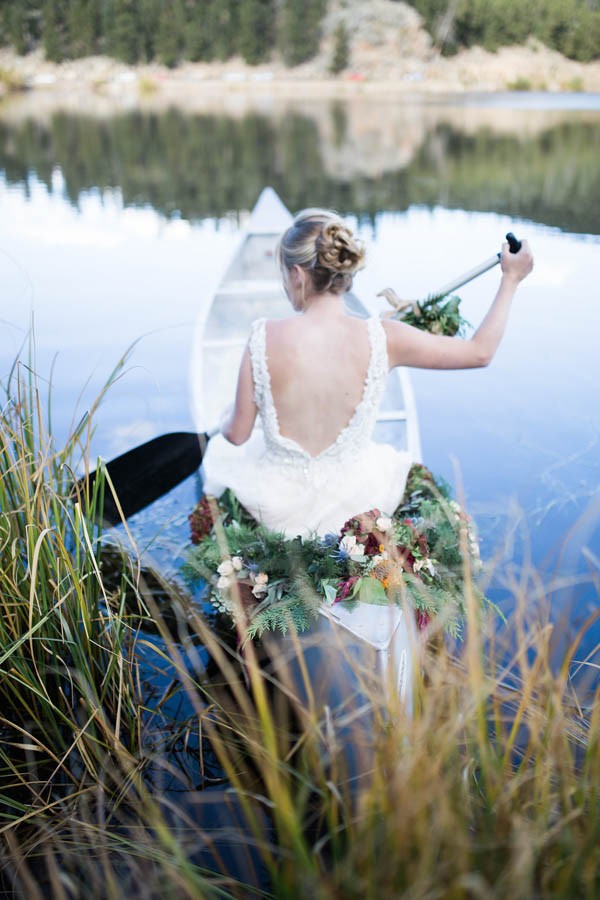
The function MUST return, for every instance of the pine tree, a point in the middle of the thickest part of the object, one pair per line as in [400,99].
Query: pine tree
[124,38]
[257,19]
[149,12]
[83,27]
[341,49]
[170,35]
[196,36]
[222,17]
[22,24]
[54,30]
[300,29]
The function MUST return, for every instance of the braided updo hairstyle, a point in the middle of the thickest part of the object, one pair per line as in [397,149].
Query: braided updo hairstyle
[321,243]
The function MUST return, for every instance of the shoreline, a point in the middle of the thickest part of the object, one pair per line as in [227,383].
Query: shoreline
[473,75]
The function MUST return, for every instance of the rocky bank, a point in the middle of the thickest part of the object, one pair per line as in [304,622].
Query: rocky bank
[389,52]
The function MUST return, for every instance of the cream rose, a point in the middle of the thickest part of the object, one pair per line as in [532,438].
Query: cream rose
[384,523]
[260,584]
[424,564]
[350,546]
[226,567]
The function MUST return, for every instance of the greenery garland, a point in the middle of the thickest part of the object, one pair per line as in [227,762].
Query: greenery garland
[267,582]
[437,314]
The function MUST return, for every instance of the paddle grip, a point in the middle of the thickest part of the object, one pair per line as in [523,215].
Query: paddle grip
[514,245]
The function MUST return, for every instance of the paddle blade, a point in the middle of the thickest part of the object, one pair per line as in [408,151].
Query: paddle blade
[144,474]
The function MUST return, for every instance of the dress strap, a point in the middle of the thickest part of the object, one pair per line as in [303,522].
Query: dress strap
[379,363]
[257,345]
[263,397]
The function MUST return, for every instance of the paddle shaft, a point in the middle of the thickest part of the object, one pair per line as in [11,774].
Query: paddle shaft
[485,266]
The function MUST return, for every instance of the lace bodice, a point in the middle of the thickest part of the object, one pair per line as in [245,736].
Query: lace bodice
[353,438]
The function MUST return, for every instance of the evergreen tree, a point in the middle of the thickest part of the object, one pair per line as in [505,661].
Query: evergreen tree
[149,12]
[54,30]
[83,27]
[22,19]
[196,37]
[170,35]
[222,18]
[341,50]
[301,29]
[257,19]
[124,37]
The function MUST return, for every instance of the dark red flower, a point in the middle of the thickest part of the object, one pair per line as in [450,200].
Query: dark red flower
[361,525]
[345,587]
[201,521]
[372,543]
[423,619]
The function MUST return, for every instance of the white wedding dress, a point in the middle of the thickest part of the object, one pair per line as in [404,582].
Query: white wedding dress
[289,490]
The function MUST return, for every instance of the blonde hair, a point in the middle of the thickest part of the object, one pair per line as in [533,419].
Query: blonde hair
[320,242]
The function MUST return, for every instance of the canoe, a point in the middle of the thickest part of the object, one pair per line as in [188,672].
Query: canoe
[249,289]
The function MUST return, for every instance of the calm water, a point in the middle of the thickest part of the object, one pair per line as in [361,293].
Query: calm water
[117,228]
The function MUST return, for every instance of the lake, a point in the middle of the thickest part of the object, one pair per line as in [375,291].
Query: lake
[116,225]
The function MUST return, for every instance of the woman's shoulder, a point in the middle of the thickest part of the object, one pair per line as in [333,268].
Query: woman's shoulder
[276,332]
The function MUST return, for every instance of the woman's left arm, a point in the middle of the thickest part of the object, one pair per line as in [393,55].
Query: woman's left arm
[238,428]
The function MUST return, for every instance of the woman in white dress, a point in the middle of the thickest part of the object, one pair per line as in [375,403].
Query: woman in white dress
[316,381]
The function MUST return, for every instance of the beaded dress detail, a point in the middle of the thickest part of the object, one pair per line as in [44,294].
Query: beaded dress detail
[356,435]
[289,490]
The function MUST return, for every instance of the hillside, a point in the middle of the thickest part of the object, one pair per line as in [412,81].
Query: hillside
[388,49]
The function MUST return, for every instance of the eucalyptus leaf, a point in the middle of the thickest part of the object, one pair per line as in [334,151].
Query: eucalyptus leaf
[330,592]
[372,591]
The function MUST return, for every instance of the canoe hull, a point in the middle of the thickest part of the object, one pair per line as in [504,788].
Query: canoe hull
[251,288]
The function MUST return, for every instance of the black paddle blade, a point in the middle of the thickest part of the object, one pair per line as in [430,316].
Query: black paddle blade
[144,474]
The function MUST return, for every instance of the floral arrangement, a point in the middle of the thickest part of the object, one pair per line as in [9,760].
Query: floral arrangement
[266,581]
[437,314]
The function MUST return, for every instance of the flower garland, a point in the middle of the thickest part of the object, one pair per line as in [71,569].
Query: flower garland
[437,314]
[265,581]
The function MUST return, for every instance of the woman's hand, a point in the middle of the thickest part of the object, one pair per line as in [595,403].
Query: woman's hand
[516,266]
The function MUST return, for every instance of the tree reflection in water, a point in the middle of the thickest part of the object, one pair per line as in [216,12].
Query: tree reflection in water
[209,165]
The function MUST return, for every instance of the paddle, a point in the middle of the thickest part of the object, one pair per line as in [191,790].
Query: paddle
[514,245]
[142,475]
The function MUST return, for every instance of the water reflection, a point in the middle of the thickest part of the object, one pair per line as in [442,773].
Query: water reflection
[357,157]
[85,241]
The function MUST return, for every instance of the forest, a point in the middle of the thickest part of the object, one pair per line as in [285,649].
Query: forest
[172,31]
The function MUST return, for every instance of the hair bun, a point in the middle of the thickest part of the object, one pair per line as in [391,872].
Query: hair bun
[338,249]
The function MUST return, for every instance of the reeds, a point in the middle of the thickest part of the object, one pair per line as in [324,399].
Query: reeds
[165,761]
[67,655]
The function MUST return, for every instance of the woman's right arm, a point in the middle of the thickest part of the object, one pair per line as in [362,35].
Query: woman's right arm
[408,346]
[238,426]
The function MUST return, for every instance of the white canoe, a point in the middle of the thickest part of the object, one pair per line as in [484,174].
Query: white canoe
[251,288]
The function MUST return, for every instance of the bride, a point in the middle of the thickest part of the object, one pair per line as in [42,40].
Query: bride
[316,381]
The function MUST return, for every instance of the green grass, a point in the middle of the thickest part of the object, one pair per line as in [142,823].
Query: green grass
[490,789]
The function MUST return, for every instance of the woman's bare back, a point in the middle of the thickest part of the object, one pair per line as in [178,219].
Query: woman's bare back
[318,365]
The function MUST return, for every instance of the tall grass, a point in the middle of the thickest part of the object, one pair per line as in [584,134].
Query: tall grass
[144,753]
[67,655]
